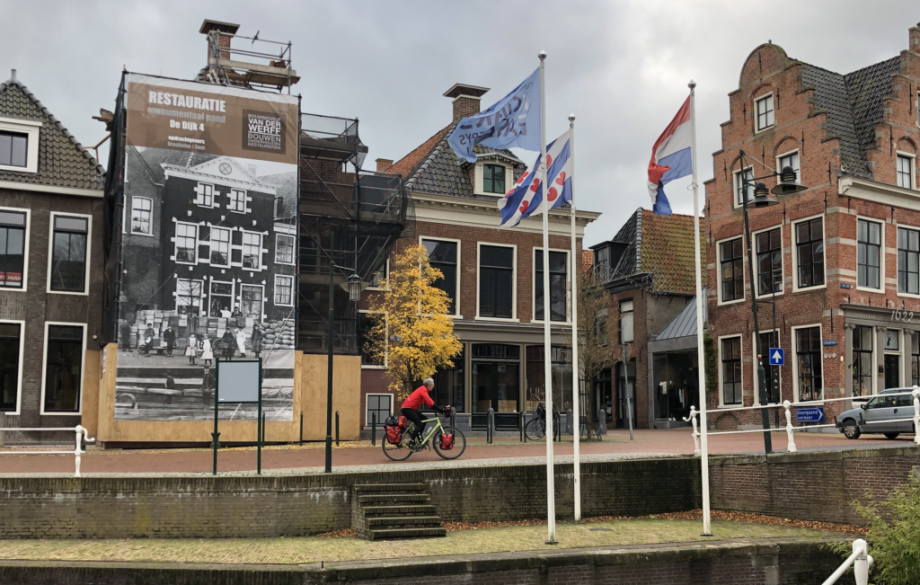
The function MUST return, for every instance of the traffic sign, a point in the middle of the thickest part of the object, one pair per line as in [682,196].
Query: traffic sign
[777,357]
[810,414]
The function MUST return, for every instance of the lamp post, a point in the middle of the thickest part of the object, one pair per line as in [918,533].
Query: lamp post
[787,185]
[354,286]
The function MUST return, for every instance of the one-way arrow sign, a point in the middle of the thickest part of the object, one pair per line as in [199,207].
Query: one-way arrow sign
[777,356]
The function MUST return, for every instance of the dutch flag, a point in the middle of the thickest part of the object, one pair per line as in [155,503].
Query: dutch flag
[526,196]
[671,158]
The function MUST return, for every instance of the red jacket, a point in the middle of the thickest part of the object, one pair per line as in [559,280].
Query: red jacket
[419,396]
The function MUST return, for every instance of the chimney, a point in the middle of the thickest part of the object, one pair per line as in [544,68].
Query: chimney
[915,39]
[466,99]
[223,40]
[383,164]
[13,74]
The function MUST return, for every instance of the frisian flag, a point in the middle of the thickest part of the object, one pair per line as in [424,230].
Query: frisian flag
[671,158]
[526,196]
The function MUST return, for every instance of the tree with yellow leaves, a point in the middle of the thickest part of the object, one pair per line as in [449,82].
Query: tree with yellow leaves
[413,333]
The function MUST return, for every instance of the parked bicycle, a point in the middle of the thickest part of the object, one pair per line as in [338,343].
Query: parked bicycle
[448,442]
[536,428]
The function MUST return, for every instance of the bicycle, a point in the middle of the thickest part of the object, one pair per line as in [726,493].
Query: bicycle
[536,428]
[402,450]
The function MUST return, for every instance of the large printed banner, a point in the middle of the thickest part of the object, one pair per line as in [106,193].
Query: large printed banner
[209,236]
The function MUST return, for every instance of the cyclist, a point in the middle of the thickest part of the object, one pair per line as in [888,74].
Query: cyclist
[415,401]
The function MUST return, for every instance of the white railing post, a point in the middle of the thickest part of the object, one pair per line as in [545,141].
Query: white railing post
[81,433]
[790,448]
[916,393]
[861,562]
[696,433]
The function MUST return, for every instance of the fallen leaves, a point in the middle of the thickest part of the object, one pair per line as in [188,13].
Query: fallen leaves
[346,533]
[761,519]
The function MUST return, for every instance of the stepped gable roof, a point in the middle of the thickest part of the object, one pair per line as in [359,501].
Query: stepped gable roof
[854,103]
[434,168]
[62,160]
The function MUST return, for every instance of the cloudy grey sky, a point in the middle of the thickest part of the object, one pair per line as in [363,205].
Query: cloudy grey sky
[621,67]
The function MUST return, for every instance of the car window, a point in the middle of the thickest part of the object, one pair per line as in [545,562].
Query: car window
[882,402]
[905,400]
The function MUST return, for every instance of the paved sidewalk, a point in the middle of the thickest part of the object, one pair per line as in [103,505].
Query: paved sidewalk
[363,457]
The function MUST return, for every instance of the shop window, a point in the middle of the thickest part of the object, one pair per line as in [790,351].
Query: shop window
[674,375]
[771,373]
[731,371]
[443,256]
[808,349]
[188,296]
[769,248]
[12,249]
[496,282]
[495,378]
[251,301]
[63,368]
[449,384]
[68,256]
[809,248]
[558,280]
[908,261]
[915,358]
[561,371]
[868,253]
[10,358]
[731,270]
[221,299]
[862,360]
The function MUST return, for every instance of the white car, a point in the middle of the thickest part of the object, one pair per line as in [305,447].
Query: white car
[884,414]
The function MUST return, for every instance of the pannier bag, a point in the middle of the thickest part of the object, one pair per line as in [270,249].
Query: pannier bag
[394,435]
[447,442]
[403,422]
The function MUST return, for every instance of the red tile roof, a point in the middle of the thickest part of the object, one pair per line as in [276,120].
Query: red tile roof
[407,164]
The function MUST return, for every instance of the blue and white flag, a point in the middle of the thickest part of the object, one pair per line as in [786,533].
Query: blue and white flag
[512,122]
[525,197]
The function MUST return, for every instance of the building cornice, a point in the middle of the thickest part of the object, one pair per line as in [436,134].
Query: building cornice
[879,192]
[52,189]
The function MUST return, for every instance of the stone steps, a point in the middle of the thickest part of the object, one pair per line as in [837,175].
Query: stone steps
[387,511]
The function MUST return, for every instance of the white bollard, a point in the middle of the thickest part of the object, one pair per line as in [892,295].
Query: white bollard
[790,448]
[77,451]
[861,563]
[916,393]
[696,433]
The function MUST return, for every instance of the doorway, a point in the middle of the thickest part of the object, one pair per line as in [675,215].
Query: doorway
[630,388]
[892,370]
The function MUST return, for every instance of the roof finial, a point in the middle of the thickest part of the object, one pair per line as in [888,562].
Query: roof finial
[13,74]
[769,41]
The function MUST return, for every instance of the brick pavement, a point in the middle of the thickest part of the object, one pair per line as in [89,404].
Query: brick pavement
[651,442]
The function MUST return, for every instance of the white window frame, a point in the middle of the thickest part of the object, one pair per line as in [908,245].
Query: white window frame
[210,294]
[620,313]
[913,168]
[367,422]
[456,314]
[795,359]
[293,249]
[757,264]
[133,231]
[767,96]
[568,288]
[744,276]
[766,363]
[22,350]
[882,254]
[897,262]
[176,237]
[275,296]
[798,172]
[211,244]
[199,197]
[386,275]
[514,282]
[719,357]
[202,300]
[736,184]
[386,354]
[45,368]
[230,205]
[89,249]
[481,175]
[25,250]
[874,373]
[239,299]
[243,245]
[795,255]
[32,130]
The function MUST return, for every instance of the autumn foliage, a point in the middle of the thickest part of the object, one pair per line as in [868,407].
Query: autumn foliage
[413,335]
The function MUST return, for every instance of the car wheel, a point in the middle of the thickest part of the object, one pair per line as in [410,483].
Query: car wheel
[850,430]
[891,435]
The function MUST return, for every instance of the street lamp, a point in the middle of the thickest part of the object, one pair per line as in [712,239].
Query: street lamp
[354,286]
[787,185]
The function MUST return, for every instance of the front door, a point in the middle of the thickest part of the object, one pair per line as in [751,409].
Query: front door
[892,371]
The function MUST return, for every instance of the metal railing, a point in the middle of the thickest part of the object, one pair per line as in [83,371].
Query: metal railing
[81,435]
[789,429]
[860,560]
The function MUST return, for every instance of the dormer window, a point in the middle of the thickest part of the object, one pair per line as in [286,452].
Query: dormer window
[493,179]
[14,148]
[19,145]
[764,107]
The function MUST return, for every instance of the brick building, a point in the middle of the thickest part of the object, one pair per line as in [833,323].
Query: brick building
[650,277]
[489,274]
[50,266]
[841,258]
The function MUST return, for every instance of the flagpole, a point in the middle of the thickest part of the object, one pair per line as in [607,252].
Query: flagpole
[547,343]
[700,349]
[576,265]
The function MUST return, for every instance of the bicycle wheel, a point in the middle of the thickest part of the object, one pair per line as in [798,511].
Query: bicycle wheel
[459,443]
[535,429]
[398,452]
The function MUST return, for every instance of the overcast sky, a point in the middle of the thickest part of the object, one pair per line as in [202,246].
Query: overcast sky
[621,67]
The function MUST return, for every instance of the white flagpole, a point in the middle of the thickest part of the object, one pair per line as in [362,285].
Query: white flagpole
[700,349]
[576,271]
[547,343]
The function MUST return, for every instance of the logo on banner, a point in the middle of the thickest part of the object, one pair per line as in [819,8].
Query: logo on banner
[264,131]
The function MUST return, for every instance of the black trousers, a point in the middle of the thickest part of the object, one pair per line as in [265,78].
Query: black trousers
[412,415]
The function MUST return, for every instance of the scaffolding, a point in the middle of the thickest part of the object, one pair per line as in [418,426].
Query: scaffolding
[363,212]
[269,67]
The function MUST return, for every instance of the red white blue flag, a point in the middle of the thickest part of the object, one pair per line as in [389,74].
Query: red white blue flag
[525,197]
[671,158]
